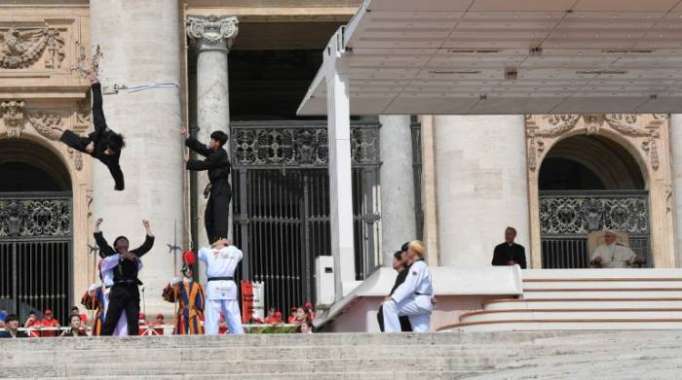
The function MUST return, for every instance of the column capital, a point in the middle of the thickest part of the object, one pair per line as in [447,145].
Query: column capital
[211,32]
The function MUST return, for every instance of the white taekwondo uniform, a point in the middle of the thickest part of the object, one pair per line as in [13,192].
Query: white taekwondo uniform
[413,299]
[221,290]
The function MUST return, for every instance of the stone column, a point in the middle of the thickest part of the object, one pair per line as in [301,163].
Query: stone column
[211,38]
[140,42]
[481,186]
[398,223]
[676,164]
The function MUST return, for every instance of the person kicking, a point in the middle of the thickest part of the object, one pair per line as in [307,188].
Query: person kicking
[221,291]
[102,144]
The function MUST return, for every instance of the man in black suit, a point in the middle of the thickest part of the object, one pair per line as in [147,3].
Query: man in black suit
[509,253]
[399,264]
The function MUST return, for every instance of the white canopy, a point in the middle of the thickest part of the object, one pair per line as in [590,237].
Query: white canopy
[507,57]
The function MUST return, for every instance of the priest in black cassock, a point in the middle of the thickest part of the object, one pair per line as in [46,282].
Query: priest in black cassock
[509,253]
[218,191]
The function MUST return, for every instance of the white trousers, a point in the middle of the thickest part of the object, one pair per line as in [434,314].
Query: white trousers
[417,309]
[230,310]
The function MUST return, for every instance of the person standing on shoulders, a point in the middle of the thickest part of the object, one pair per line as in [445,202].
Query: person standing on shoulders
[218,190]
[414,297]
[509,253]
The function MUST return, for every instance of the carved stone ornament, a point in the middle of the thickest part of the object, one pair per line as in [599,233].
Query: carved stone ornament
[640,127]
[212,29]
[47,124]
[23,48]
[12,112]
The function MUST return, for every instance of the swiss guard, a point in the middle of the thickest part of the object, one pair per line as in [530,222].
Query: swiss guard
[189,295]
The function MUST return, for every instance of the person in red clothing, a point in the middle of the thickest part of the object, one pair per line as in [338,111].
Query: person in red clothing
[292,316]
[49,325]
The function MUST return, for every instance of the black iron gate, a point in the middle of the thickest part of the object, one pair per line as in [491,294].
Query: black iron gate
[35,253]
[567,217]
[281,204]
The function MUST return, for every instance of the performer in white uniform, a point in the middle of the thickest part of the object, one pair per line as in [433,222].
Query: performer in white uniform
[221,290]
[413,298]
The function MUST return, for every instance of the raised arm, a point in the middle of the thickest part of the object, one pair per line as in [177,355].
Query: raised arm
[105,249]
[217,159]
[148,241]
[194,145]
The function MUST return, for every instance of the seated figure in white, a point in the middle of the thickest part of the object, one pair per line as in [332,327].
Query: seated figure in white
[614,255]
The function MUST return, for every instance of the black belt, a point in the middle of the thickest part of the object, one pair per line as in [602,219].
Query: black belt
[220,279]
[128,282]
[422,294]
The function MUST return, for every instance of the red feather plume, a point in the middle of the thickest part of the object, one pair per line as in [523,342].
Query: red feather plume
[188,258]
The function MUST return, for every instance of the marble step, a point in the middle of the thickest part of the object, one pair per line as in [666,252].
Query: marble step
[567,325]
[643,316]
[589,303]
[603,285]
[601,294]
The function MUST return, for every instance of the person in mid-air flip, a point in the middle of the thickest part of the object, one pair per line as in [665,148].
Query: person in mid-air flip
[102,144]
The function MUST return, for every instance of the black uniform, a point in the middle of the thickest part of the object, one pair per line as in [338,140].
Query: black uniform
[217,208]
[100,137]
[507,252]
[404,320]
[124,295]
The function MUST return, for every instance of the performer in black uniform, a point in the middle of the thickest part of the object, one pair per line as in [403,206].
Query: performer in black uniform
[102,144]
[399,265]
[218,165]
[125,295]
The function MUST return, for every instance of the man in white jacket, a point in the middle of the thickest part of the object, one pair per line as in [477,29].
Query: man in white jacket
[221,291]
[413,298]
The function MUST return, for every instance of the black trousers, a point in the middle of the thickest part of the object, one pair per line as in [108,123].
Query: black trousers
[216,214]
[405,325]
[123,298]
[74,141]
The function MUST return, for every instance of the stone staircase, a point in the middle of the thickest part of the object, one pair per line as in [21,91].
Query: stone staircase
[492,355]
[585,299]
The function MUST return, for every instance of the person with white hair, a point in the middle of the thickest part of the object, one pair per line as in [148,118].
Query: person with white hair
[414,297]
[611,254]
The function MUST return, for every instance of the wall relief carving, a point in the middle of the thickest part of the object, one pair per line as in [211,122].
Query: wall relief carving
[12,112]
[642,129]
[23,48]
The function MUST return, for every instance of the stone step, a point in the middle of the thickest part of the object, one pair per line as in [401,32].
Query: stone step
[461,354]
[168,368]
[601,294]
[590,303]
[659,274]
[643,316]
[566,325]
[612,285]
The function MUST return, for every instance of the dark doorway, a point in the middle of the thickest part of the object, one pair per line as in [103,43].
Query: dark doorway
[36,233]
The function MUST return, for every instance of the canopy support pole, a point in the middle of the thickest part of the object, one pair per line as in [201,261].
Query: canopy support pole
[340,171]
